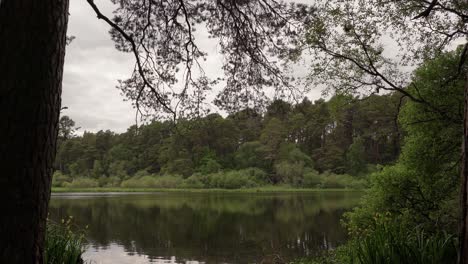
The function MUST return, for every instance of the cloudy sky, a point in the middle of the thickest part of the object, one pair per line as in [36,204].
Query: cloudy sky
[93,66]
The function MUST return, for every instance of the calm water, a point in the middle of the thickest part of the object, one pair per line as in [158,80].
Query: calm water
[205,227]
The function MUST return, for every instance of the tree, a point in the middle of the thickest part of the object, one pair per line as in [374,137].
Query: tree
[66,128]
[98,170]
[347,39]
[420,190]
[252,154]
[32,51]
[160,36]
[355,157]
[273,134]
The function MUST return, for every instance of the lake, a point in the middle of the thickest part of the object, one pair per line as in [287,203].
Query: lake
[207,227]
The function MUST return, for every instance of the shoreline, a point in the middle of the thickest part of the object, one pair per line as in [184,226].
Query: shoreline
[151,190]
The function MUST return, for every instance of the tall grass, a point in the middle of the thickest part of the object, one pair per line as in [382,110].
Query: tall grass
[387,245]
[62,245]
[389,242]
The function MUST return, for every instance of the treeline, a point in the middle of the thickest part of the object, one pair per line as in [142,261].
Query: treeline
[330,144]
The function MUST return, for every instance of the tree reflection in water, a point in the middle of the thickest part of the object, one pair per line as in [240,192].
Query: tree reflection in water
[206,227]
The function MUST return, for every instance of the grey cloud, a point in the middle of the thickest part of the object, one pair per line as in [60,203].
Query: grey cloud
[93,66]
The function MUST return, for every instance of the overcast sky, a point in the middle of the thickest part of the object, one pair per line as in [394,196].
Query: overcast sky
[93,66]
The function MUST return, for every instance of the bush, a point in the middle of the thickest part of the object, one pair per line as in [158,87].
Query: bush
[62,245]
[290,172]
[141,173]
[118,169]
[312,179]
[168,181]
[109,181]
[259,175]
[182,167]
[209,165]
[82,183]
[134,182]
[153,182]
[193,181]
[59,179]
[229,180]
[331,180]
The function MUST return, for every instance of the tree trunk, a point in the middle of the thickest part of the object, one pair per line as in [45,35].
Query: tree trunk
[463,238]
[32,50]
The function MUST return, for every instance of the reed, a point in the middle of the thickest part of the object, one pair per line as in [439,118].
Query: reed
[63,245]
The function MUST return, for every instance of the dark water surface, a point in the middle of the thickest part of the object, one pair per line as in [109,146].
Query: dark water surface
[205,227]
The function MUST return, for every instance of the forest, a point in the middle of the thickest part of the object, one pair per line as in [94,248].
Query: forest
[391,133]
[331,143]
[404,154]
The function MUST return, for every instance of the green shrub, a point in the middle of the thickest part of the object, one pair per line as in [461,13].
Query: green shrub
[59,179]
[209,165]
[193,181]
[312,179]
[62,245]
[153,182]
[102,181]
[182,167]
[141,173]
[339,181]
[168,181]
[290,172]
[82,183]
[112,181]
[259,175]
[118,169]
[134,182]
[230,180]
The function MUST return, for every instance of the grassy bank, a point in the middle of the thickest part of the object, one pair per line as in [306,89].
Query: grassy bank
[62,244]
[389,247]
[264,189]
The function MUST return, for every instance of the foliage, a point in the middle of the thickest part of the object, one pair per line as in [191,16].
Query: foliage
[151,181]
[247,32]
[331,180]
[59,179]
[66,128]
[62,244]
[289,172]
[312,179]
[389,242]
[82,183]
[209,165]
[410,211]
[112,181]
[386,245]
[251,154]
[355,157]
[285,142]
[367,47]
[421,189]
[247,178]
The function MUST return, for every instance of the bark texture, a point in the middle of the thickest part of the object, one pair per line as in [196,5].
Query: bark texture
[32,50]
[463,234]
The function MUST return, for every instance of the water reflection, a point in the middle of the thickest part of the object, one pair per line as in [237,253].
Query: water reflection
[205,228]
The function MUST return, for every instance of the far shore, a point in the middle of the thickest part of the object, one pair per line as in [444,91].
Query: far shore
[243,190]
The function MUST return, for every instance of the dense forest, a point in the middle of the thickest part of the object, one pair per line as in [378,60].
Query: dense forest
[326,143]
